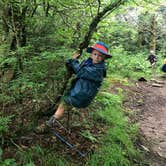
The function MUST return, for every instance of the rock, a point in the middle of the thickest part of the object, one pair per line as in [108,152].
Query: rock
[157,85]
[145,148]
[142,79]
[159,82]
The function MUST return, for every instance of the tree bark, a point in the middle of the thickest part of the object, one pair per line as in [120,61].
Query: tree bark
[153,36]
[140,39]
[15,30]
[18,26]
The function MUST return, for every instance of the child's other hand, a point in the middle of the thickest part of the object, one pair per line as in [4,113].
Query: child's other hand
[76,55]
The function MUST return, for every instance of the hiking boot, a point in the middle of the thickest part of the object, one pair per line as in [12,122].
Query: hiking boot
[52,121]
[43,128]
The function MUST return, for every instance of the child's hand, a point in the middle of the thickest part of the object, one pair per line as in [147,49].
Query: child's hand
[76,55]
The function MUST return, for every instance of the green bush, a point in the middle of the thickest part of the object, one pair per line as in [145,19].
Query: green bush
[117,145]
[4,126]
[126,64]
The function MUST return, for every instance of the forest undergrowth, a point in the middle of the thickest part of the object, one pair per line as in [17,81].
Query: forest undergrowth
[102,131]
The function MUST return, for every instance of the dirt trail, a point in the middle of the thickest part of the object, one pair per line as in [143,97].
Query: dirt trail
[148,99]
[153,121]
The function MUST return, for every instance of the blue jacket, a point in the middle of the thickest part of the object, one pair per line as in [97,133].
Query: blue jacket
[88,80]
[164,68]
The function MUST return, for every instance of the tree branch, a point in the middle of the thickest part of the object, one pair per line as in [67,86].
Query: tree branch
[95,22]
[99,2]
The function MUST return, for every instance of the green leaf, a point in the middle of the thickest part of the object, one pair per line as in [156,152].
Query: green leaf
[89,136]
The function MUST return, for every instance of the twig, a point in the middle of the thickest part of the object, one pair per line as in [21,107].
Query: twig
[16,145]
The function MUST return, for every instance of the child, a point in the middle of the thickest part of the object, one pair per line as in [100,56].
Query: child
[152,58]
[89,77]
[164,66]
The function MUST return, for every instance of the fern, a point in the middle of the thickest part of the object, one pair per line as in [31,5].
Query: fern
[4,126]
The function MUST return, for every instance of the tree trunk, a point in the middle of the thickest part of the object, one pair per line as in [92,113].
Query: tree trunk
[6,13]
[153,30]
[140,39]
[15,30]
[14,21]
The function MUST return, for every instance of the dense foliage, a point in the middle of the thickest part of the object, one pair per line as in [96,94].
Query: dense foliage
[36,38]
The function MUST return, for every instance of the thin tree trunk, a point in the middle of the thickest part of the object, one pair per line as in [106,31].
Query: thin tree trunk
[140,39]
[153,29]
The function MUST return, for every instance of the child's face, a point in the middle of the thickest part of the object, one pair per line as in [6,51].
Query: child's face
[97,57]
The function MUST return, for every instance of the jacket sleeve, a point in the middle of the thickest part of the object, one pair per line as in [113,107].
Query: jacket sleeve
[91,73]
[74,64]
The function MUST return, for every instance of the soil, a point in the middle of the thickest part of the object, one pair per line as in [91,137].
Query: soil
[77,140]
[148,100]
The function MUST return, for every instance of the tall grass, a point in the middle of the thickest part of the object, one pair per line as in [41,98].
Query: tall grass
[117,145]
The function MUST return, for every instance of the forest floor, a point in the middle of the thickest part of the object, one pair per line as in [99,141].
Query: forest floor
[148,100]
